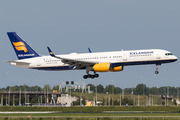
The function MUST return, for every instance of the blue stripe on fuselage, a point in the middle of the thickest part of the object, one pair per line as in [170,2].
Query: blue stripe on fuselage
[57,68]
[142,62]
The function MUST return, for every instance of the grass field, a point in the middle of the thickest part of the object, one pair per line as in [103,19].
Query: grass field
[90,116]
[95,114]
[92,108]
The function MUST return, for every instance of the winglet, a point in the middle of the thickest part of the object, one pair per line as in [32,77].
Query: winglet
[50,52]
[89,50]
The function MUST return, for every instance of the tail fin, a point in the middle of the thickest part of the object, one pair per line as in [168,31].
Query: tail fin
[89,50]
[22,49]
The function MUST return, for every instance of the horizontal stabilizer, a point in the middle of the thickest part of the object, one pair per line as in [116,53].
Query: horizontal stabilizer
[19,63]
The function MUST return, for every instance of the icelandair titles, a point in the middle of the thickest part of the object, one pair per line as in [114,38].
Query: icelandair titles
[137,53]
[24,55]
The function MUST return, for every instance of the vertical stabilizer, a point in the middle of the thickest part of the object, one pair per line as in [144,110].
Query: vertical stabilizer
[22,49]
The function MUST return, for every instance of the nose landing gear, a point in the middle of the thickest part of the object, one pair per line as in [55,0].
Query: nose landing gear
[157,68]
[156,72]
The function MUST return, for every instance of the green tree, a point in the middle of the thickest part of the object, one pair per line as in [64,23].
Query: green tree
[174,102]
[118,90]
[110,89]
[7,88]
[153,90]
[15,88]
[46,87]
[140,88]
[127,91]
[35,88]
[100,88]
[24,88]
[55,87]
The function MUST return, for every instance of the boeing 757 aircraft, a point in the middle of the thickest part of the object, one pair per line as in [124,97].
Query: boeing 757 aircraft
[96,62]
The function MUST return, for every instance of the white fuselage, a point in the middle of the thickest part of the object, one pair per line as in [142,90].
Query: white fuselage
[117,58]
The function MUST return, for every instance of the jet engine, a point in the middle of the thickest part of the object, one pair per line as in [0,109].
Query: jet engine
[117,69]
[106,67]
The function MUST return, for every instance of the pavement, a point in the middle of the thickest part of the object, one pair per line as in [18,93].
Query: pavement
[90,112]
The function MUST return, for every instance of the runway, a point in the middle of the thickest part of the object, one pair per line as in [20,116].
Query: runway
[46,112]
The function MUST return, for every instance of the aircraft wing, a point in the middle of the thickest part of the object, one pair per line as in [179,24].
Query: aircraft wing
[72,62]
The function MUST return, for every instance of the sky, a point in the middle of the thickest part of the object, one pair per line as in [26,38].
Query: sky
[68,26]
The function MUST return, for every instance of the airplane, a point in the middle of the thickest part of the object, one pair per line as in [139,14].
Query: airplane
[92,61]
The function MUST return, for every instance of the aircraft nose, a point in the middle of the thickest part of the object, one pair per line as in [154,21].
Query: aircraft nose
[176,58]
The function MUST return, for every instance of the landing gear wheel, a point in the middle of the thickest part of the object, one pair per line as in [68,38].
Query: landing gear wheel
[89,75]
[156,72]
[92,76]
[96,75]
[85,76]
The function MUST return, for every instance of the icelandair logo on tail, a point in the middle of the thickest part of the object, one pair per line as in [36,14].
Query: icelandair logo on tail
[20,46]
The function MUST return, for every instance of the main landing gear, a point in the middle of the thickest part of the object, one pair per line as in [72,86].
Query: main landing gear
[157,68]
[91,76]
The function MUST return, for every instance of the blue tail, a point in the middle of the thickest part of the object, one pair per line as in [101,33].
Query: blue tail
[22,49]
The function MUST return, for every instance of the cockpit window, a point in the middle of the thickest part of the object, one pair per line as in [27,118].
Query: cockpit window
[168,54]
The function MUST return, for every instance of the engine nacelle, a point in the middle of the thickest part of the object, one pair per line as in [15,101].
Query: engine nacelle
[106,67]
[117,69]
[102,67]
